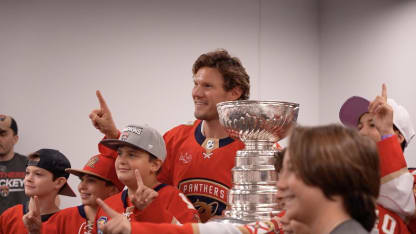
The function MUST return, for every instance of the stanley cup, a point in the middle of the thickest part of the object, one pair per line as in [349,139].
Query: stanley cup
[259,124]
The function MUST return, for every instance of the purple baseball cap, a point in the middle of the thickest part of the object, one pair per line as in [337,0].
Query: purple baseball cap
[352,110]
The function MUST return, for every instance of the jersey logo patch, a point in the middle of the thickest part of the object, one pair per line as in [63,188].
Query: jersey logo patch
[101,221]
[185,158]
[207,155]
[4,191]
[211,144]
[206,210]
[207,196]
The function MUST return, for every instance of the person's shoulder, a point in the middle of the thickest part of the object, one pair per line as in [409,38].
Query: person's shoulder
[114,198]
[20,157]
[169,190]
[63,214]
[349,226]
[68,210]
[183,127]
[12,211]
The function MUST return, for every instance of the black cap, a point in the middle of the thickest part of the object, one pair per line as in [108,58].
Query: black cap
[55,162]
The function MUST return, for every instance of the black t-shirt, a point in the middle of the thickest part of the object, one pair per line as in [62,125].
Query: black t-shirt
[12,190]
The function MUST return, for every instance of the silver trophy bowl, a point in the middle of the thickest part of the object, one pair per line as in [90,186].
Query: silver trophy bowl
[259,124]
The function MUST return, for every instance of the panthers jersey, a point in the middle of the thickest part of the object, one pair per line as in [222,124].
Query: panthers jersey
[69,220]
[170,206]
[200,167]
[389,223]
[11,220]
[396,190]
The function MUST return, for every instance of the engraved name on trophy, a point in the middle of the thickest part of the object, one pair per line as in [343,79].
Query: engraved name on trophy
[259,124]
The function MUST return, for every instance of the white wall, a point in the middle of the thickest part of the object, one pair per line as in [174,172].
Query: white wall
[55,54]
[364,44]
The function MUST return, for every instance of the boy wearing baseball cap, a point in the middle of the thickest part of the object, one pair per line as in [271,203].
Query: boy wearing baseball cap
[45,179]
[98,180]
[140,153]
[389,125]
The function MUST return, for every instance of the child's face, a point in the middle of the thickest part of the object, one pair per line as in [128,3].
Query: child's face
[38,181]
[129,159]
[366,127]
[91,188]
[297,196]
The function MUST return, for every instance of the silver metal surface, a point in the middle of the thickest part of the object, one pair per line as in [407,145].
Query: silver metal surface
[259,124]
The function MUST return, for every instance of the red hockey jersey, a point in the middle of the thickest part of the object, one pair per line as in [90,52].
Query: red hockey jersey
[200,167]
[170,206]
[69,220]
[11,220]
[389,222]
[396,191]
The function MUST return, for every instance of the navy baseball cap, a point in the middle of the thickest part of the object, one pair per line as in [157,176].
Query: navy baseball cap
[55,162]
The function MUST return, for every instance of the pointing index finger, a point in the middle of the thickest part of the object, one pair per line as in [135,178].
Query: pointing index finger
[384,91]
[103,104]
[112,213]
[36,206]
[138,178]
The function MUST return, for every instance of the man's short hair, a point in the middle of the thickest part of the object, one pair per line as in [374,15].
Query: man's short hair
[13,126]
[9,122]
[231,69]
[340,162]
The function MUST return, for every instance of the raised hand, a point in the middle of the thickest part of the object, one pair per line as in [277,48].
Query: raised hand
[382,113]
[102,119]
[31,219]
[118,223]
[143,195]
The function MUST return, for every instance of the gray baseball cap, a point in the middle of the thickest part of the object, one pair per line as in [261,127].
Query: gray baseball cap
[140,136]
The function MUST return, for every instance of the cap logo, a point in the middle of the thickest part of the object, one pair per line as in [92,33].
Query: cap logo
[33,163]
[134,129]
[91,163]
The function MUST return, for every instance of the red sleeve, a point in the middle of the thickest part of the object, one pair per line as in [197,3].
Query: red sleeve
[141,227]
[104,150]
[391,156]
[396,190]
[165,175]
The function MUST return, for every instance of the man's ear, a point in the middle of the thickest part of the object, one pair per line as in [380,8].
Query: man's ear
[15,139]
[235,93]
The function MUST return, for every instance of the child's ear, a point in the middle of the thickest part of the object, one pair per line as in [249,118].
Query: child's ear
[156,165]
[60,182]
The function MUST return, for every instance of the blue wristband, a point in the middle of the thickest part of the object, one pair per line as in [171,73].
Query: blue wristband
[386,136]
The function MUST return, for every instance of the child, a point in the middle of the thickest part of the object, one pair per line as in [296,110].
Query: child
[45,179]
[388,124]
[141,151]
[98,180]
